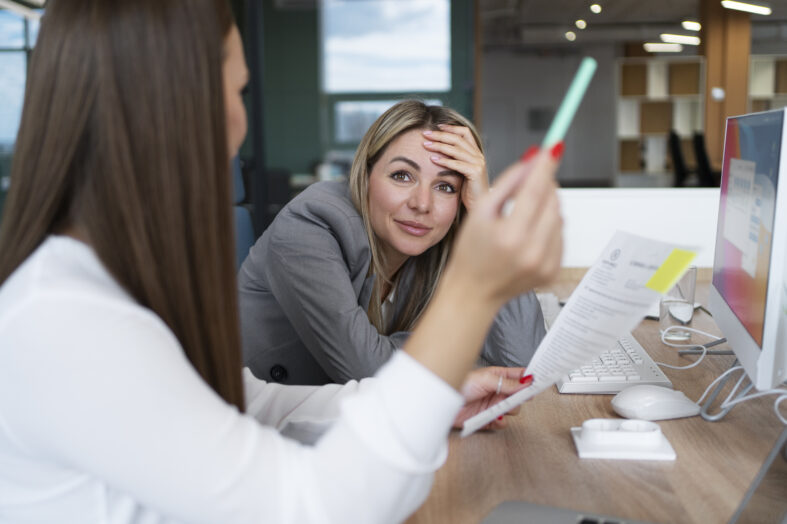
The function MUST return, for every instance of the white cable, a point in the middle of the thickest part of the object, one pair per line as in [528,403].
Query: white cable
[731,370]
[729,402]
[776,403]
[672,344]
[782,392]
[731,396]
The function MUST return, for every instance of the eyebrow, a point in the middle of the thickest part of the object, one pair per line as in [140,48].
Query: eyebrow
[415,166]
[406,161]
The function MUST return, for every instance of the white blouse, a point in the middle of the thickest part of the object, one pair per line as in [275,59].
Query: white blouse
[104,420]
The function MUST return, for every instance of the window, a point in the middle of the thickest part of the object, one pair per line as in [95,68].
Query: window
[17,37]
[386,46]
[353,118]
[375,52]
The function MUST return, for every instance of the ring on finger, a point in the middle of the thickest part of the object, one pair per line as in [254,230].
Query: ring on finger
[499,385]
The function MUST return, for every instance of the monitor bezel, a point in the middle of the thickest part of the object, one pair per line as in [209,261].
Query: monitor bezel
[766,366]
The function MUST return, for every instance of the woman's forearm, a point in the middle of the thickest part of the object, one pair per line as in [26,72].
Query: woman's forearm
[451,331]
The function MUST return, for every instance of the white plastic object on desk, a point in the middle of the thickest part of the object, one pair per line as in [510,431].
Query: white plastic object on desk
[612,438]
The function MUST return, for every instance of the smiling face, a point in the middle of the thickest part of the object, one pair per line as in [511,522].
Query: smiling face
[412,200]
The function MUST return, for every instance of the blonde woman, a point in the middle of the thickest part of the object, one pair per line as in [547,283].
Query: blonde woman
[337,282]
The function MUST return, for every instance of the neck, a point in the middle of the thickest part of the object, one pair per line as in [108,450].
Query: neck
[393,263]
[74,232]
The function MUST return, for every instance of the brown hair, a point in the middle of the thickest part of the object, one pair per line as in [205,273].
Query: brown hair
[123,137]
[428,266]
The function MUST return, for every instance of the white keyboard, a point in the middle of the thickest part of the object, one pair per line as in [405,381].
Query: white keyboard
[624,365]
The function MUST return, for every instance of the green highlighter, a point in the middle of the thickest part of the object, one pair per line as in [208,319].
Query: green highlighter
[570,103]
[565,114]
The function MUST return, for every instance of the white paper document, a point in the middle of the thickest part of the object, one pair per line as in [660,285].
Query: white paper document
[615,294]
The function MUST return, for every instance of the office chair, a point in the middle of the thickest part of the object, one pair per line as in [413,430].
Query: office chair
[678,164]
[279,191]
[708,177]
[244,230]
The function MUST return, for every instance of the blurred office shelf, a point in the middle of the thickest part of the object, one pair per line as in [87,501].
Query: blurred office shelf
[654,96]
[767,82]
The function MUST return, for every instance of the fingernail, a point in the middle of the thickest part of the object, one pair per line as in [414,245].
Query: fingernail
[526,378]
[500,417]
[427,132]
[435,158]
[530,153]
[427,143]
[557,150]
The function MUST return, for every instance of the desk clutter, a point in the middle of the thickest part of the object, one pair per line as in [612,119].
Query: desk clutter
[610,438]
[621,366]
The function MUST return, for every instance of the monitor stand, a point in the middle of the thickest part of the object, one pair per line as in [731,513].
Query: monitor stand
[708,352]
[705,408]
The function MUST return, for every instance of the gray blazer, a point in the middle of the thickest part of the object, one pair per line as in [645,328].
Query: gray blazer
[304,291]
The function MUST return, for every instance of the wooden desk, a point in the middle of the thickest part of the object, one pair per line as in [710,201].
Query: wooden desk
[535,460]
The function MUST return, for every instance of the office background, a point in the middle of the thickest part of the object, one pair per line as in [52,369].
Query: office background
[508,63]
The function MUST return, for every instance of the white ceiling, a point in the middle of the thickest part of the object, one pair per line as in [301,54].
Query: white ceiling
[539,23]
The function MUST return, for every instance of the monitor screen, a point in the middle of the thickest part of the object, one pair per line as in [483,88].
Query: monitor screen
[744,236]
[748,295]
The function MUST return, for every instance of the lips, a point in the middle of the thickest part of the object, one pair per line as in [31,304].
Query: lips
[413,228]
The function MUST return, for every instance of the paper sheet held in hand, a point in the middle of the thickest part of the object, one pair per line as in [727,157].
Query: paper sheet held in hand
[612,298]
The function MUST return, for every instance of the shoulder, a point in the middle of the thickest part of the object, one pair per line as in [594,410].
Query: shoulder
[64,293]
[323,199]
[325,211]
[321,223]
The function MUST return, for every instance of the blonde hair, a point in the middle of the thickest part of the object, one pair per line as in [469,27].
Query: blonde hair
[429,265]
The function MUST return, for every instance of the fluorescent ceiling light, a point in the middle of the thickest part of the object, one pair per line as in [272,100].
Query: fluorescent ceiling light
[690,25]
[749,7]
[581,24]
[680,39]
[571,36]
[20,9]
[661,47]
[596,8]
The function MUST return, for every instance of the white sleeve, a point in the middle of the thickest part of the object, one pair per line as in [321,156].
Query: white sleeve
[108,391]
[302,413]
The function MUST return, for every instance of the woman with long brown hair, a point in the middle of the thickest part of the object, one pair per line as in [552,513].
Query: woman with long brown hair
[121,393]
[340,278]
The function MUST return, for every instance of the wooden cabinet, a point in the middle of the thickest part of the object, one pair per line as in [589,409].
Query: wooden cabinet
[654,96]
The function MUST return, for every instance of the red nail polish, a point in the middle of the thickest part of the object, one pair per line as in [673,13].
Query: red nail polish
[557,150]
[526,378]
[500,417]
[529,154]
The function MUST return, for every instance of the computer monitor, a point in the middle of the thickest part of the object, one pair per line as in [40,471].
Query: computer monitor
[748,296]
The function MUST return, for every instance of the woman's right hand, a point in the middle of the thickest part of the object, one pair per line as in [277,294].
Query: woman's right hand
[506,254]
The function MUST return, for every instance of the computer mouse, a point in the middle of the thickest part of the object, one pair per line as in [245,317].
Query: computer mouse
[648,402]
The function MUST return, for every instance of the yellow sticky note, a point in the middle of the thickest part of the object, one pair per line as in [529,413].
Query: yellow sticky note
[670,270]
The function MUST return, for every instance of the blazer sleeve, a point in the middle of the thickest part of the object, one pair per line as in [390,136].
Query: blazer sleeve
[310,254]
[516,332]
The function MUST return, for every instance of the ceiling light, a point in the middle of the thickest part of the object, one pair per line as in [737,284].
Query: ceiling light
[581,24]
[661,47]
[680,39]
[758,8]
[690,25]
[596,8]
[20,9]
[571,36]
